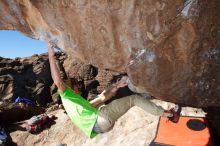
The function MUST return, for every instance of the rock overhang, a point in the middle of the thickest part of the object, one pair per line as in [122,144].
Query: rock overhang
[168,48]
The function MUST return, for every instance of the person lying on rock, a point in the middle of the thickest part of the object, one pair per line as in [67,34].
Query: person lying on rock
[91,119]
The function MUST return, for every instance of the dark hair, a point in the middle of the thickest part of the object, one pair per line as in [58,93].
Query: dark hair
[74,81]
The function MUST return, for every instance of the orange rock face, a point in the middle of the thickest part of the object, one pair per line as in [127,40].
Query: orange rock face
[168,48]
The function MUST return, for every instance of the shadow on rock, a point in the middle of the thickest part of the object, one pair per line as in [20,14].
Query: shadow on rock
[213,117]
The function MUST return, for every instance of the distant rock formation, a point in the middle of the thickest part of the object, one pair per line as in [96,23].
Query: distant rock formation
[168,48]
[25,77]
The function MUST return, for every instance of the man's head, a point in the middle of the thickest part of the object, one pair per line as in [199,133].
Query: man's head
[76,85]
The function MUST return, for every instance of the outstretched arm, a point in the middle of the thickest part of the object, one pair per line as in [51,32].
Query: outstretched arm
[108,93]
[54,70]
[104,96]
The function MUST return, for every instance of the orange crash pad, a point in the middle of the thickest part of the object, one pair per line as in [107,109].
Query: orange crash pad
[189,131]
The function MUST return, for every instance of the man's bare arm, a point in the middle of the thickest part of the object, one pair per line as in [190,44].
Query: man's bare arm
[108,93]
[96,102]
[54,70]
[104,96]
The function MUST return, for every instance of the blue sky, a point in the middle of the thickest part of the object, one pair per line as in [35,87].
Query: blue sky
[14,44]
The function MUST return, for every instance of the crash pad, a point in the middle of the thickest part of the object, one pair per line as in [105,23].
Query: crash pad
[189,131]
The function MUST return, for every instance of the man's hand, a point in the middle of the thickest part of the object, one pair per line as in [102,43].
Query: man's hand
[51,47]
[52,44]
[112,90]
[122,82]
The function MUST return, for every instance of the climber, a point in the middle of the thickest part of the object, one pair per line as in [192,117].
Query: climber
[91,118]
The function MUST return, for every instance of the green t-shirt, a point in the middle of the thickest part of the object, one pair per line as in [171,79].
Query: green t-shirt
[80,111]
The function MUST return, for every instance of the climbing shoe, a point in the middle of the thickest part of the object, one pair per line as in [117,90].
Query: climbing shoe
[176,113]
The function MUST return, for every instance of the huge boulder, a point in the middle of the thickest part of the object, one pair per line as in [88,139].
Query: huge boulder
[168,48]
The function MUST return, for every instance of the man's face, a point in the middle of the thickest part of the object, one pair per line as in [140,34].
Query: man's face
[76,89]
[74,86]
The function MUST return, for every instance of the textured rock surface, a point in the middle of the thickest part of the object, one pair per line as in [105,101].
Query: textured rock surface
[25,77]
[172,45]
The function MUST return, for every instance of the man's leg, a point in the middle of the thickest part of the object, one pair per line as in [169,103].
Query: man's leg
[114,110]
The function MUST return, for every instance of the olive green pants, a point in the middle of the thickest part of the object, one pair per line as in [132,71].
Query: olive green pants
[109,113]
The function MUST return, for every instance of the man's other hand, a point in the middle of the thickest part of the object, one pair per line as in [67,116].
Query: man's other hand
[51,47]
[122,82]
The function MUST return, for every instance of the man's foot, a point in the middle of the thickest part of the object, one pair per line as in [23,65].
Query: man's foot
[176,113]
